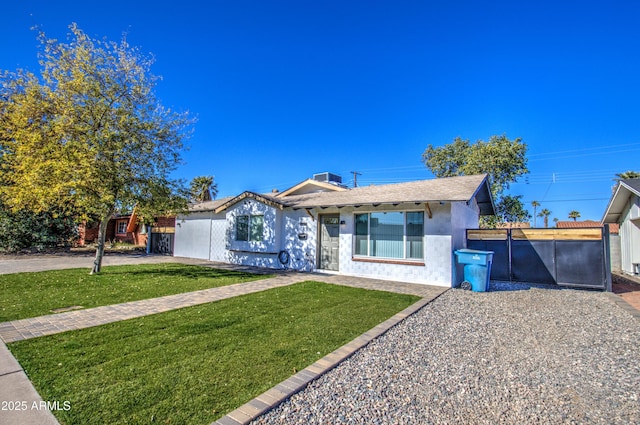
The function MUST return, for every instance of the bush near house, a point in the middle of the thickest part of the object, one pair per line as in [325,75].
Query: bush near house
[25,230]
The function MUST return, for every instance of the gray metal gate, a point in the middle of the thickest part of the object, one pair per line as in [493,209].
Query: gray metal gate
[566,257]
[162,240]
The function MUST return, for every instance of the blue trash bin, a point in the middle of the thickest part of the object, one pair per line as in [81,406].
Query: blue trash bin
[477,269]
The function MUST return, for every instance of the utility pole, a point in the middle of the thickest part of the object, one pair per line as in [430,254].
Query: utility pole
[355,177]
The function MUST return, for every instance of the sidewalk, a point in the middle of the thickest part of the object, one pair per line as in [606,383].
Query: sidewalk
[15,386]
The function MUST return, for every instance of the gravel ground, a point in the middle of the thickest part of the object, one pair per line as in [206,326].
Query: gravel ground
[535,356]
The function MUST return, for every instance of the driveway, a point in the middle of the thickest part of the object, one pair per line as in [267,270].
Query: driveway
[39,263]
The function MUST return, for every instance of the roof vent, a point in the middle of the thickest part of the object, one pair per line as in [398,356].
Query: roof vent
[328,178]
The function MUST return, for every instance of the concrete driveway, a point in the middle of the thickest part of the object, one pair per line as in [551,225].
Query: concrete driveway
[38,263]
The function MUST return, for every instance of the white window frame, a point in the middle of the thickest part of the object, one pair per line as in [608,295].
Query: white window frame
[124,228]
[249,225]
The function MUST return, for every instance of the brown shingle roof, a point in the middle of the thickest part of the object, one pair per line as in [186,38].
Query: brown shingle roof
[450,189]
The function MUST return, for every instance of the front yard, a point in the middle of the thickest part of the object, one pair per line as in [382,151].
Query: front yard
[24,295]
[195,364]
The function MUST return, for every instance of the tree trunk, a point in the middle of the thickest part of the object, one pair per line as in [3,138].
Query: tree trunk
[102,233]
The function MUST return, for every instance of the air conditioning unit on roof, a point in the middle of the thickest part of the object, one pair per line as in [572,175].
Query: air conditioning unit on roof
[328,178]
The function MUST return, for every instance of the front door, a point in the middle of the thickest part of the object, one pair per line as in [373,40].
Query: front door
[329,241]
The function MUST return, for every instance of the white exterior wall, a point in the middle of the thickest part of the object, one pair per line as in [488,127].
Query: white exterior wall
[211,236]
[463,217]
[193,235]
[630,236]
[218,246]
[300,239]
[248,253]
[438,246]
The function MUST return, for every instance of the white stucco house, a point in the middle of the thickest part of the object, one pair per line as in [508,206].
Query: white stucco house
[624,209]
[405,231]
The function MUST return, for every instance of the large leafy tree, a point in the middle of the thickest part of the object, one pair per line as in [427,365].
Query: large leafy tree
[509,209]
[502,159]
[88,135]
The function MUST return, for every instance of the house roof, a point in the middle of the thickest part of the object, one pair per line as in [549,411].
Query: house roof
[310,186]
[619,199]
[208,205]
[450,189]
[613,227]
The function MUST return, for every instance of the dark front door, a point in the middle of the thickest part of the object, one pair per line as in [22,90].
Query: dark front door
[329,242]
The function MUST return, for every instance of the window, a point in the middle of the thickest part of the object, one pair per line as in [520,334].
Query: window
[389,234]
[249,228]
[121,228]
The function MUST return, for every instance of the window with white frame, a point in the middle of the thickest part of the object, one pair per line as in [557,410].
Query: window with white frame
[121,228]
[391,234]
[249,228]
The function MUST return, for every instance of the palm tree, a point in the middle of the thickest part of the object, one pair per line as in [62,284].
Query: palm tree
[555,221]
[535,205]
[627,175]
[203,188]
[545,213]
[574,215]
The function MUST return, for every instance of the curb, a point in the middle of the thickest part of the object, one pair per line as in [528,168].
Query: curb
[275,396]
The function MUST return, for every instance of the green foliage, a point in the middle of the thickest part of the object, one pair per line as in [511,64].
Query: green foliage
[509,209]
[545,213]
[627,175]
[503,160]
[89,137]
[574,215]
[193,365]
[24,229]
[203,188]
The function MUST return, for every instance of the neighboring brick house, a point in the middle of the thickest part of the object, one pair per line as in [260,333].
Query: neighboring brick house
[124,228]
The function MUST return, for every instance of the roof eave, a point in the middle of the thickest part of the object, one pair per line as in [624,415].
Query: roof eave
[617,202]
[251,195]
[485,202]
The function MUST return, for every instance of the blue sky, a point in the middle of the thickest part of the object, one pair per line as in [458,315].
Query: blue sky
[285,89]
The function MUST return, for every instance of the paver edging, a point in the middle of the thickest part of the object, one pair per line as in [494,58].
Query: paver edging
[622,303]
[289,386]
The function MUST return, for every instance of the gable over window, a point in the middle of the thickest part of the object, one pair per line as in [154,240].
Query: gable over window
[249,228]
[393,234]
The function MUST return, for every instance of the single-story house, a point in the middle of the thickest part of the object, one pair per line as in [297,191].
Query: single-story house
[624,209]
[404,231]
[125,228]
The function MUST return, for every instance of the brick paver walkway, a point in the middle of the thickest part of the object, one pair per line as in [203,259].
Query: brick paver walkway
[15,382]
[18,330]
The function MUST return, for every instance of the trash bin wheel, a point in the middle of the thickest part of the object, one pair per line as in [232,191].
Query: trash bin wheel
[466,285]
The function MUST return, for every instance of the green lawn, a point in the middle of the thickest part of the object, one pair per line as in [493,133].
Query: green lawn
[24,295]
[195,364]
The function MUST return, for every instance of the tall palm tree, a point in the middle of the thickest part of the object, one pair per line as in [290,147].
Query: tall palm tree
[203,188]
[574,215]
[545,213]
[535,205]
[627,175]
